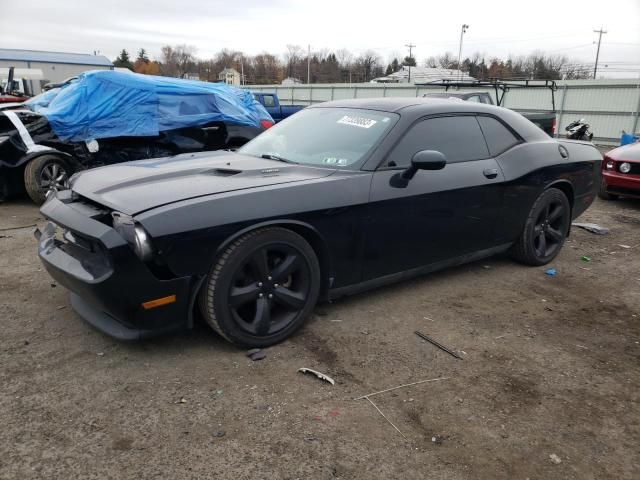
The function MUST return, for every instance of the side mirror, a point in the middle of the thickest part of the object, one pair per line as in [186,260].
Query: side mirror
[422,160]
[428,160]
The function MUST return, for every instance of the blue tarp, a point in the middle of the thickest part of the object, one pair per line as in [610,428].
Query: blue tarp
[106,104]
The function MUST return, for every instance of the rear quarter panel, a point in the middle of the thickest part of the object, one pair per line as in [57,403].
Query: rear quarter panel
[530,168]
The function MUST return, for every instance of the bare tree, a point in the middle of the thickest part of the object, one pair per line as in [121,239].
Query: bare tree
[447,60]
[292,58]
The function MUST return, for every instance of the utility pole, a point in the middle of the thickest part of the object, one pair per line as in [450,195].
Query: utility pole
[308,63]
[410,46]
[463,30]
[599,32]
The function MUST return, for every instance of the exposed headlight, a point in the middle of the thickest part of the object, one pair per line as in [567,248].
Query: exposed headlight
[134,234]
[625,167]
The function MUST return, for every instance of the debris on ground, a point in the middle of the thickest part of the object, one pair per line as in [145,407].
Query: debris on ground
[389,390]
[17,227]
[385,417]
[401,386]
[61,307]
[53,285]
[440,346]
[592,227]
[256,354]
[320,375]
[219,434]
[584,258]
[555,459]
[552,272]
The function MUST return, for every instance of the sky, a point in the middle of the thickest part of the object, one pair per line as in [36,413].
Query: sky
[496,28]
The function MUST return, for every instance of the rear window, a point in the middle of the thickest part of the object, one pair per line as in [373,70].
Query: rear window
[499,138]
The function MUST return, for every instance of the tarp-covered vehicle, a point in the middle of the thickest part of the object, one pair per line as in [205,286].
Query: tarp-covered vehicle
[107,117]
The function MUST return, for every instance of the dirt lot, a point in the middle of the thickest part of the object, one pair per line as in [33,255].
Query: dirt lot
[551,366]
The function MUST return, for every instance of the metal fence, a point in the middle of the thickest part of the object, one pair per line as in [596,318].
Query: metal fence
[609,106]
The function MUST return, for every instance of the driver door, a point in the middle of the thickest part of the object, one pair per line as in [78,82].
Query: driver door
[440,215]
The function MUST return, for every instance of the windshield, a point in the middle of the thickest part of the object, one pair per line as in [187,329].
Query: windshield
[335,137]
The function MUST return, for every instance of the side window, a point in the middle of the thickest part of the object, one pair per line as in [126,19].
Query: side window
[474,98]
[268,101]
[486,99]
[499,138]
[459,138]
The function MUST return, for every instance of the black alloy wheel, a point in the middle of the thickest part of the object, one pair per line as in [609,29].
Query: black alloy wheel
[549,230]
[545,230]
[270,289]
[262,288]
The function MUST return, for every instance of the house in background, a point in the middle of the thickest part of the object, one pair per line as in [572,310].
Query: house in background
[230,76]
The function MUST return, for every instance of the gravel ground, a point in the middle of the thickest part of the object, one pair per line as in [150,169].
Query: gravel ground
[547,388]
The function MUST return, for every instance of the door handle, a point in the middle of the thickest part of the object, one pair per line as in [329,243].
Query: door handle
[490,172]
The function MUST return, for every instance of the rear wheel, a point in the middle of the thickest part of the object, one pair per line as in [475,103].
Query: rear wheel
[545,230]
[45,173]
[262,288]
[603,194]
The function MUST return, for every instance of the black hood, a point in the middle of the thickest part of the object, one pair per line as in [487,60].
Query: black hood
[134,187]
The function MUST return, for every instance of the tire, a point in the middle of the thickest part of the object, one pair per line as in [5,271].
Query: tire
[545,230]
[603,194]
[44,173]
[4,188]
[262,288]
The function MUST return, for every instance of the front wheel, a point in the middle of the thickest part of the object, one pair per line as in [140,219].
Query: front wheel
[262,288]
[45,173]
[545,230]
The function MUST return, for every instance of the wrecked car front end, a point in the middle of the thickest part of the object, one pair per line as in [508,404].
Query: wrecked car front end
[113,284]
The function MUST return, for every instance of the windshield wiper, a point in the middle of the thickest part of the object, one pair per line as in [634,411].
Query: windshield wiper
[270,156]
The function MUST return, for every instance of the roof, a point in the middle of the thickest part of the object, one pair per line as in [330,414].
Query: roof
[54,57]
[414,108]
[387,104]
[229,70]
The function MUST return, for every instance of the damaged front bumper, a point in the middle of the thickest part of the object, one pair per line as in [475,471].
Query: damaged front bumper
[109,284]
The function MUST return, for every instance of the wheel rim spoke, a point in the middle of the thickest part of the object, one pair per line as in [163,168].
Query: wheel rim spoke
[555,214]
[554,234]
[259,261]
[262,320]
[542,245]
[288,298]
[286,267]
[241,295]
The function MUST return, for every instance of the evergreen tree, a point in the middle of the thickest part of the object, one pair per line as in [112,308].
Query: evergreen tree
[123,60]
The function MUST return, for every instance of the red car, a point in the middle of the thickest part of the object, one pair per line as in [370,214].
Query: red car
[621,173]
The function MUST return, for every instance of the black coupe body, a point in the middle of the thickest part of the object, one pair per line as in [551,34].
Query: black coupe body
[341,197]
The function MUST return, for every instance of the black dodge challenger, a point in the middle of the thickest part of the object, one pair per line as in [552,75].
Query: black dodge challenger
[341,197]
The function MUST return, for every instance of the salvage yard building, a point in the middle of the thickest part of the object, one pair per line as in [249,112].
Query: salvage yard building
[55,66]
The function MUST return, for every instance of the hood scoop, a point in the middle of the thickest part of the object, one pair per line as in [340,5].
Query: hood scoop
[222,172]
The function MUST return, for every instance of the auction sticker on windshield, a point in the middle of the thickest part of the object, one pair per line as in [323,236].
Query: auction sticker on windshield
[361,122]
